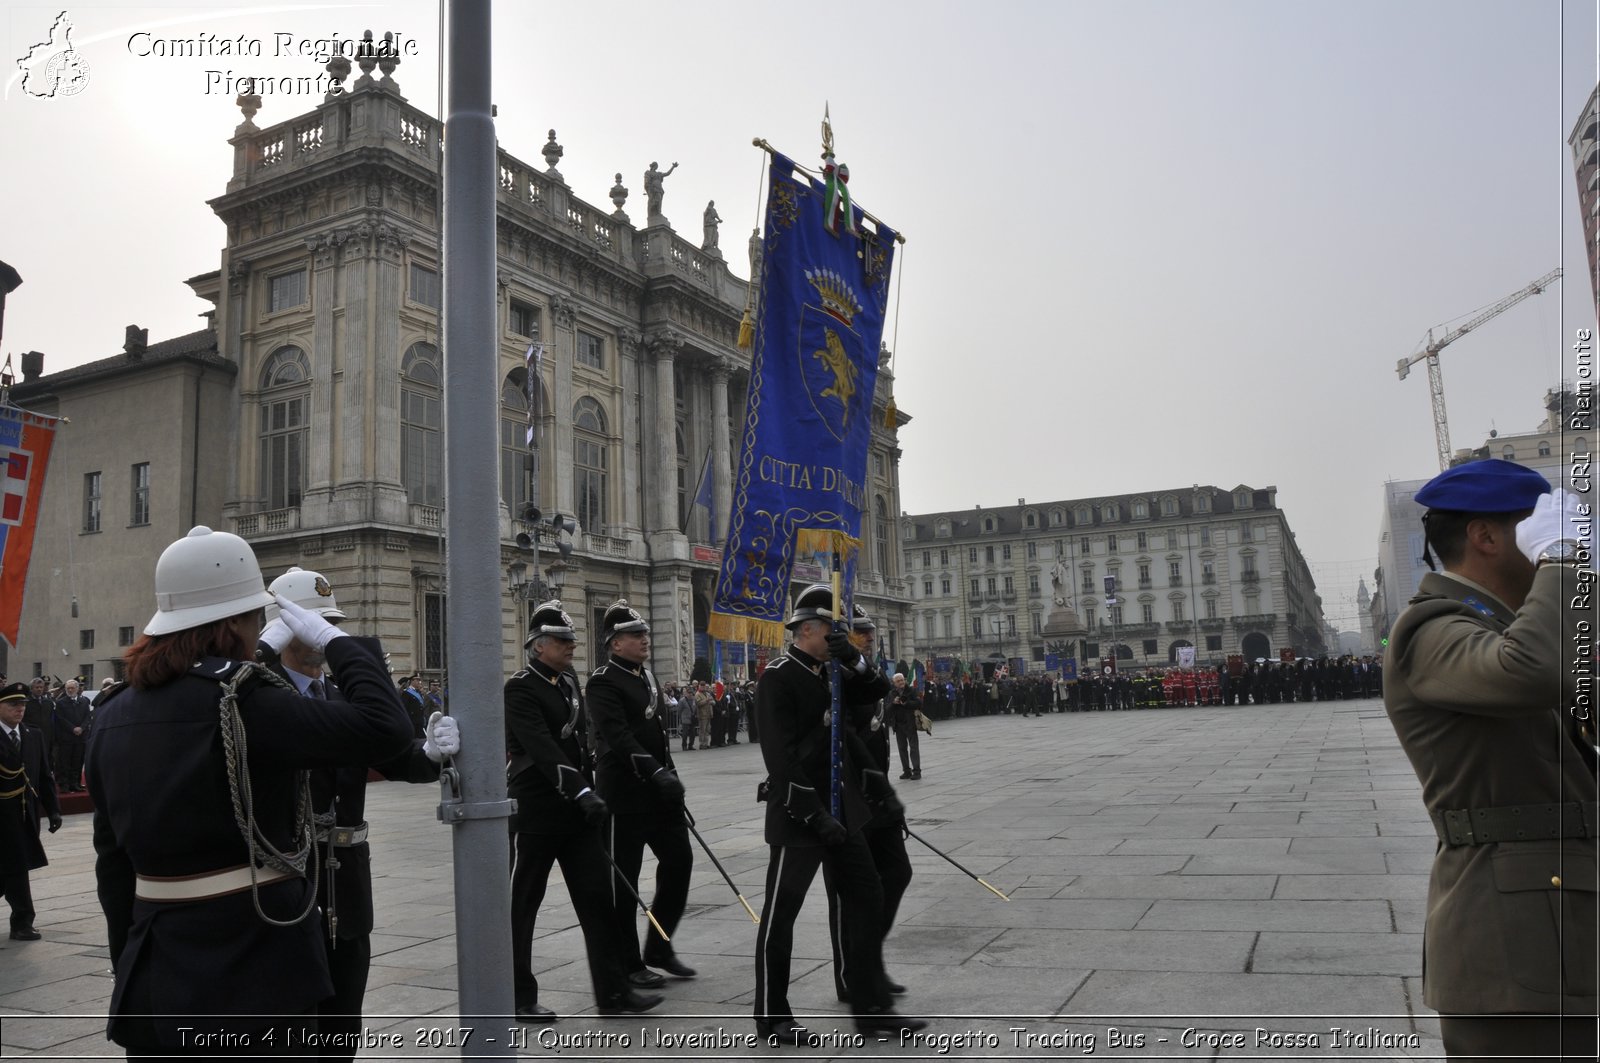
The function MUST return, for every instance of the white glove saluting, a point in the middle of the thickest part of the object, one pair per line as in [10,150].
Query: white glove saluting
[277,634]
[442,737]
[1555,517]
[310,628]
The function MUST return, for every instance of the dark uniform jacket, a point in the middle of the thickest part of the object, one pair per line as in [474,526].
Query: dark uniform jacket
[163,808]
[904,705]
[342,793]
[548,749]
[630,737]
[41,713]
[792,702]
[70,713]
[27,793]
[1478,697]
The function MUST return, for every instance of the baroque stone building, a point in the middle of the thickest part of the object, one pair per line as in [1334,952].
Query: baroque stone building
[1215,569]
[327,328]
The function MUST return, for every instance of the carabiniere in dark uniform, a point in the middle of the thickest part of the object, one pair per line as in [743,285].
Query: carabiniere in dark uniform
[793,702]
[559,817]
[637,779]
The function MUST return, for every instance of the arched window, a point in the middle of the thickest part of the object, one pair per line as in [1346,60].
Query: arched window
[1057,518]
[516,460]
[1508,452]
[421,426]
[1169,506]
[285,432]
[1141,509]
[1202,503]
[1032,520]
[988,524]
[1544,448]
[1110,511]
[880,533]
[1241,499]
[589,463]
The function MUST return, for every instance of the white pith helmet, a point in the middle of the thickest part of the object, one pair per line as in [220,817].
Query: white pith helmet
[207,575]
[308,590]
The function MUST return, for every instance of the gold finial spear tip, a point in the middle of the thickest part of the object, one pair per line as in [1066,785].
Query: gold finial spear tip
[827,132]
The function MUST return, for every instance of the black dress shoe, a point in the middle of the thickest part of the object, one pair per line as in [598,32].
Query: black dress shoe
[672,965]
[646,980]
[784,1032]
[535,1013]
[630,1003]
[885,1020]
[916,773]
[905,775]
[26,933]
[894,987]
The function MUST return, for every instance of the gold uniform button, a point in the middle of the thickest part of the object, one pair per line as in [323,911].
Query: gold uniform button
[1555,880]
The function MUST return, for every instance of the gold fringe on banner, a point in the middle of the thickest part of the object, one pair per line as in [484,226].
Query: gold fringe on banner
[825,541]
[889,416]
[747,330]
[727,628]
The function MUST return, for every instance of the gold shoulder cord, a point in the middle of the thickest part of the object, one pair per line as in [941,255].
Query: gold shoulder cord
[235,753]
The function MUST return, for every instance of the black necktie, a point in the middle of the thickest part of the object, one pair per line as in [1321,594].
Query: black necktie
[315,689]
[16,740]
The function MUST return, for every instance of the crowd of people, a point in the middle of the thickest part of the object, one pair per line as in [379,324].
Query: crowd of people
[710,715]
[1262,682]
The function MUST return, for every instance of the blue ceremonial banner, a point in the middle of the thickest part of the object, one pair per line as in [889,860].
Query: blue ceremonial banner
[799,483]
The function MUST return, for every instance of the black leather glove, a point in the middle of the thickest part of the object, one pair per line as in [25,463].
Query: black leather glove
[841,649]
[875,785]
[830,830]
[593,808]
[55,824]
[668,786]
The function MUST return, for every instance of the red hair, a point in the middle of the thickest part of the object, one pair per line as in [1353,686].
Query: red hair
[156,660]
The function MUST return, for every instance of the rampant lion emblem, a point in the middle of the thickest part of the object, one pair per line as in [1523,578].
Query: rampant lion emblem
[837,361]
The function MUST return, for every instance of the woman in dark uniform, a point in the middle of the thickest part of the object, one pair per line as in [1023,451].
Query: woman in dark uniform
[202,828]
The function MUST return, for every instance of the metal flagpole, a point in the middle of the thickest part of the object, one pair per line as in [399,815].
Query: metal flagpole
[473,801]
[835,741]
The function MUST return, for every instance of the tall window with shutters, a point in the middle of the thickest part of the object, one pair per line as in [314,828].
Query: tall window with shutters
[515,458]
[285,427]
[589,460]
[421,426]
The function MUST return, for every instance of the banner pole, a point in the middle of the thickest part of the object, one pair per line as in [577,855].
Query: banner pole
[835,743]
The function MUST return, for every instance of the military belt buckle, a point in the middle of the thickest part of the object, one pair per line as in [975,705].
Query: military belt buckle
[1458,826]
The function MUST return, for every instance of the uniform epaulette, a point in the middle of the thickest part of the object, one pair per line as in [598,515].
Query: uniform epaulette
[782,659]
[521,673]
[599,671]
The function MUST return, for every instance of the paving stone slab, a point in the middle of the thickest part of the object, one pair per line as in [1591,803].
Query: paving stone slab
[1336,916]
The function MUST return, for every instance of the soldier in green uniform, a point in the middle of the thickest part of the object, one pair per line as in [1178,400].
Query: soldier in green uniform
[1479,692]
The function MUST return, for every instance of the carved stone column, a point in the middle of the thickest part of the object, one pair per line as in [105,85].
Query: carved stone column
[320,471]
[665,438]
[564,315]
[384,374]
[721,451]
[635,463]
[241,470]
[356,355]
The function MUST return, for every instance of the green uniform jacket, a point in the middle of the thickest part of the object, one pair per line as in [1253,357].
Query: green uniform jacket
[1478,696]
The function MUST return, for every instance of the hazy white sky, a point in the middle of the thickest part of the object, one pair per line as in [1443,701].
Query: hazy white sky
[1149,243]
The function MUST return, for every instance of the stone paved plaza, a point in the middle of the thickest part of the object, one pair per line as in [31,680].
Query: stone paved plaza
[1185,883]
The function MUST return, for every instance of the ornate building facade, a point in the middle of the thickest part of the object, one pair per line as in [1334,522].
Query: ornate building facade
[327,314]
[1215,569]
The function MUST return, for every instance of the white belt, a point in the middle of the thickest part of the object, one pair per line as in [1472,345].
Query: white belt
[204,887]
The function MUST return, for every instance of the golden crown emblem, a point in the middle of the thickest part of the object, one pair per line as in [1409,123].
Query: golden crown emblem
[837,298]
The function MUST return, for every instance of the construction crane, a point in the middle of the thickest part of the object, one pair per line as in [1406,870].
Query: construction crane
[1432,347]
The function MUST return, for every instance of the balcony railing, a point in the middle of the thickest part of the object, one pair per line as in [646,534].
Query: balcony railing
[430,517]
[1251,576]
[267,522]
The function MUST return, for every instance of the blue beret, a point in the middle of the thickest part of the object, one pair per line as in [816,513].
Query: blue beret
[1491,485]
